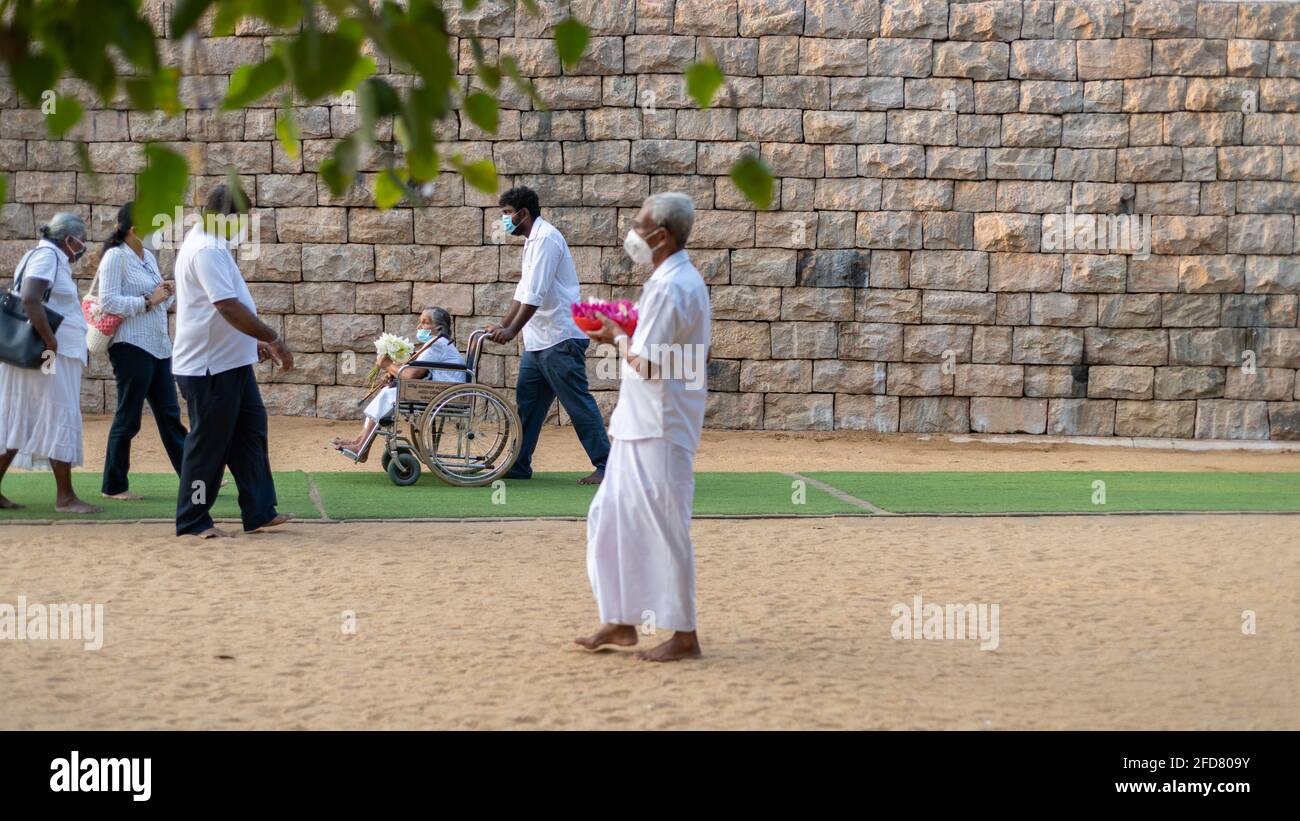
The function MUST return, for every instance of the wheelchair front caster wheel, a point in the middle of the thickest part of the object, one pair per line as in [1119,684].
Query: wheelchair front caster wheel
[404,469]
[388,456]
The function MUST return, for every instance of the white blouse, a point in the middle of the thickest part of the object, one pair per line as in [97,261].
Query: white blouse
[125,284]
[48,262]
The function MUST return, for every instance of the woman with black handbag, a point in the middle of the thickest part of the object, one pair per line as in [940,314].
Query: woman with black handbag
[131,286]
[40,398]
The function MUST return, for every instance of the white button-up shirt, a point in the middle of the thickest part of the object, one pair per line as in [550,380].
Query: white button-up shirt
[550,281]
[125,284]
[672,331]
[206,343]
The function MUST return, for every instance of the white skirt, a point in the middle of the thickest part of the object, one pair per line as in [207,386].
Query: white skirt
[640,561]
[40,414]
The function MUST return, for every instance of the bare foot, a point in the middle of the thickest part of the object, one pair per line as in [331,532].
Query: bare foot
[593,478]
[624,635]
[211,533]
[680,646]
[9,504]
[280,519]
[75,505]
[125,496]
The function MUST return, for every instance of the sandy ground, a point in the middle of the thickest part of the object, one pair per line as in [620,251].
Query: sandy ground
[1124,622]
[303,444]
[1117,622]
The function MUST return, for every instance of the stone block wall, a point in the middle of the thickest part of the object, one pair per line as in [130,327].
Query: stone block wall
[911,275]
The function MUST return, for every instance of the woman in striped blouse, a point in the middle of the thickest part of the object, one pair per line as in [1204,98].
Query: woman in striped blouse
[131,286]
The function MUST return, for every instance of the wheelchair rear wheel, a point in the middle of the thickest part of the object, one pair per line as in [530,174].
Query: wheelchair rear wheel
[469,435]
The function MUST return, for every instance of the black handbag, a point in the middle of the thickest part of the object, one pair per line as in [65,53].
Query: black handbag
[19,343]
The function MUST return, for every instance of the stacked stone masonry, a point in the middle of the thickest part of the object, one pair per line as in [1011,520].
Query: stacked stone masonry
[910,275]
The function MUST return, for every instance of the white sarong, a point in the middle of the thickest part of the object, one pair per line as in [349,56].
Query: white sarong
[382,405]
[639,556]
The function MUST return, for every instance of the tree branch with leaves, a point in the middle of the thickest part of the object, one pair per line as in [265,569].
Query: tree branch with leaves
[109,44]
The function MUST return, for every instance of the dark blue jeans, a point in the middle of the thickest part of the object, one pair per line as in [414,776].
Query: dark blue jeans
[141,377]
[559,371]
[227,429]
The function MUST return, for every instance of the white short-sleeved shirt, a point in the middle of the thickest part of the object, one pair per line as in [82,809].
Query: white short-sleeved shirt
[206,343]
[550,281]
[48,262]
[673,323]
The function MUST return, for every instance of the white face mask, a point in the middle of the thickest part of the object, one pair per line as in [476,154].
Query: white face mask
[637,248]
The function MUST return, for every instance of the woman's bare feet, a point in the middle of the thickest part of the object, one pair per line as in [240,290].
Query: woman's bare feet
[680,646]
[624,635]
[9,504]
[75,505]
[593,478]
[124,496]
[276,522]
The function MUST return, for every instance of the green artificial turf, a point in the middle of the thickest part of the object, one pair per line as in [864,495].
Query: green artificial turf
[36,490]
[367,494]
[355,495]
[1069,491]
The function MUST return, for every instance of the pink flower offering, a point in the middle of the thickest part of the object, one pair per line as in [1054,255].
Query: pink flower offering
[586,315]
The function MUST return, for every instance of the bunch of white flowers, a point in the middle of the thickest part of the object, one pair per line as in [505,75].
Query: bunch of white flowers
[397,348]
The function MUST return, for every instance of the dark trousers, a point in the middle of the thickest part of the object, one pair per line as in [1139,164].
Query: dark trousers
[558,371]
[227,429]
[141,377]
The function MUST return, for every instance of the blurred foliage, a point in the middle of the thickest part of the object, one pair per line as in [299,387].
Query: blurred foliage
[324,53]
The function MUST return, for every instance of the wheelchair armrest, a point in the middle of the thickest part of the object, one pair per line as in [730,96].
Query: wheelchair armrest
[437,366]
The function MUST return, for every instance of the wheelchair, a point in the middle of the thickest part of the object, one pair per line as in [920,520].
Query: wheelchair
[466,433]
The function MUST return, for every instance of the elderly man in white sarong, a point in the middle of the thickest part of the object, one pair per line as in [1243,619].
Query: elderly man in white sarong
[639,555]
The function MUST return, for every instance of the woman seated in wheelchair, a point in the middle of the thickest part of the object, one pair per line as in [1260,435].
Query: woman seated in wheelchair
[433,343]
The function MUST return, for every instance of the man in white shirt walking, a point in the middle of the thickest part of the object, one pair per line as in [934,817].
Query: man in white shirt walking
[639,556]
[554,363]
[218,340]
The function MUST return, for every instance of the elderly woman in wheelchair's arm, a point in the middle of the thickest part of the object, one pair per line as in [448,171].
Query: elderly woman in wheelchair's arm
[433,338]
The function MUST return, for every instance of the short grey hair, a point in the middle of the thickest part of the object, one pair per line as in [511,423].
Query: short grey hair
[63,225]
[672,210]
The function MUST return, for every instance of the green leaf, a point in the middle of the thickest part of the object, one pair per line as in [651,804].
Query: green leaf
[378,99]
[140,91]
[33,75]
[571,38]
[482,111]
[340,169]
[325,62]
[251,83]
[167,90]
[185,15]
[703,79]
[65,114]
[4,187]
[159,189]
[754,179]
[281,13]
[481,174]
[228,13]
[389,190]
[286,129]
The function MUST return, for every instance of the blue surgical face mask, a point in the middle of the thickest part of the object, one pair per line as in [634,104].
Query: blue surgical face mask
[424,335]
[507,224]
